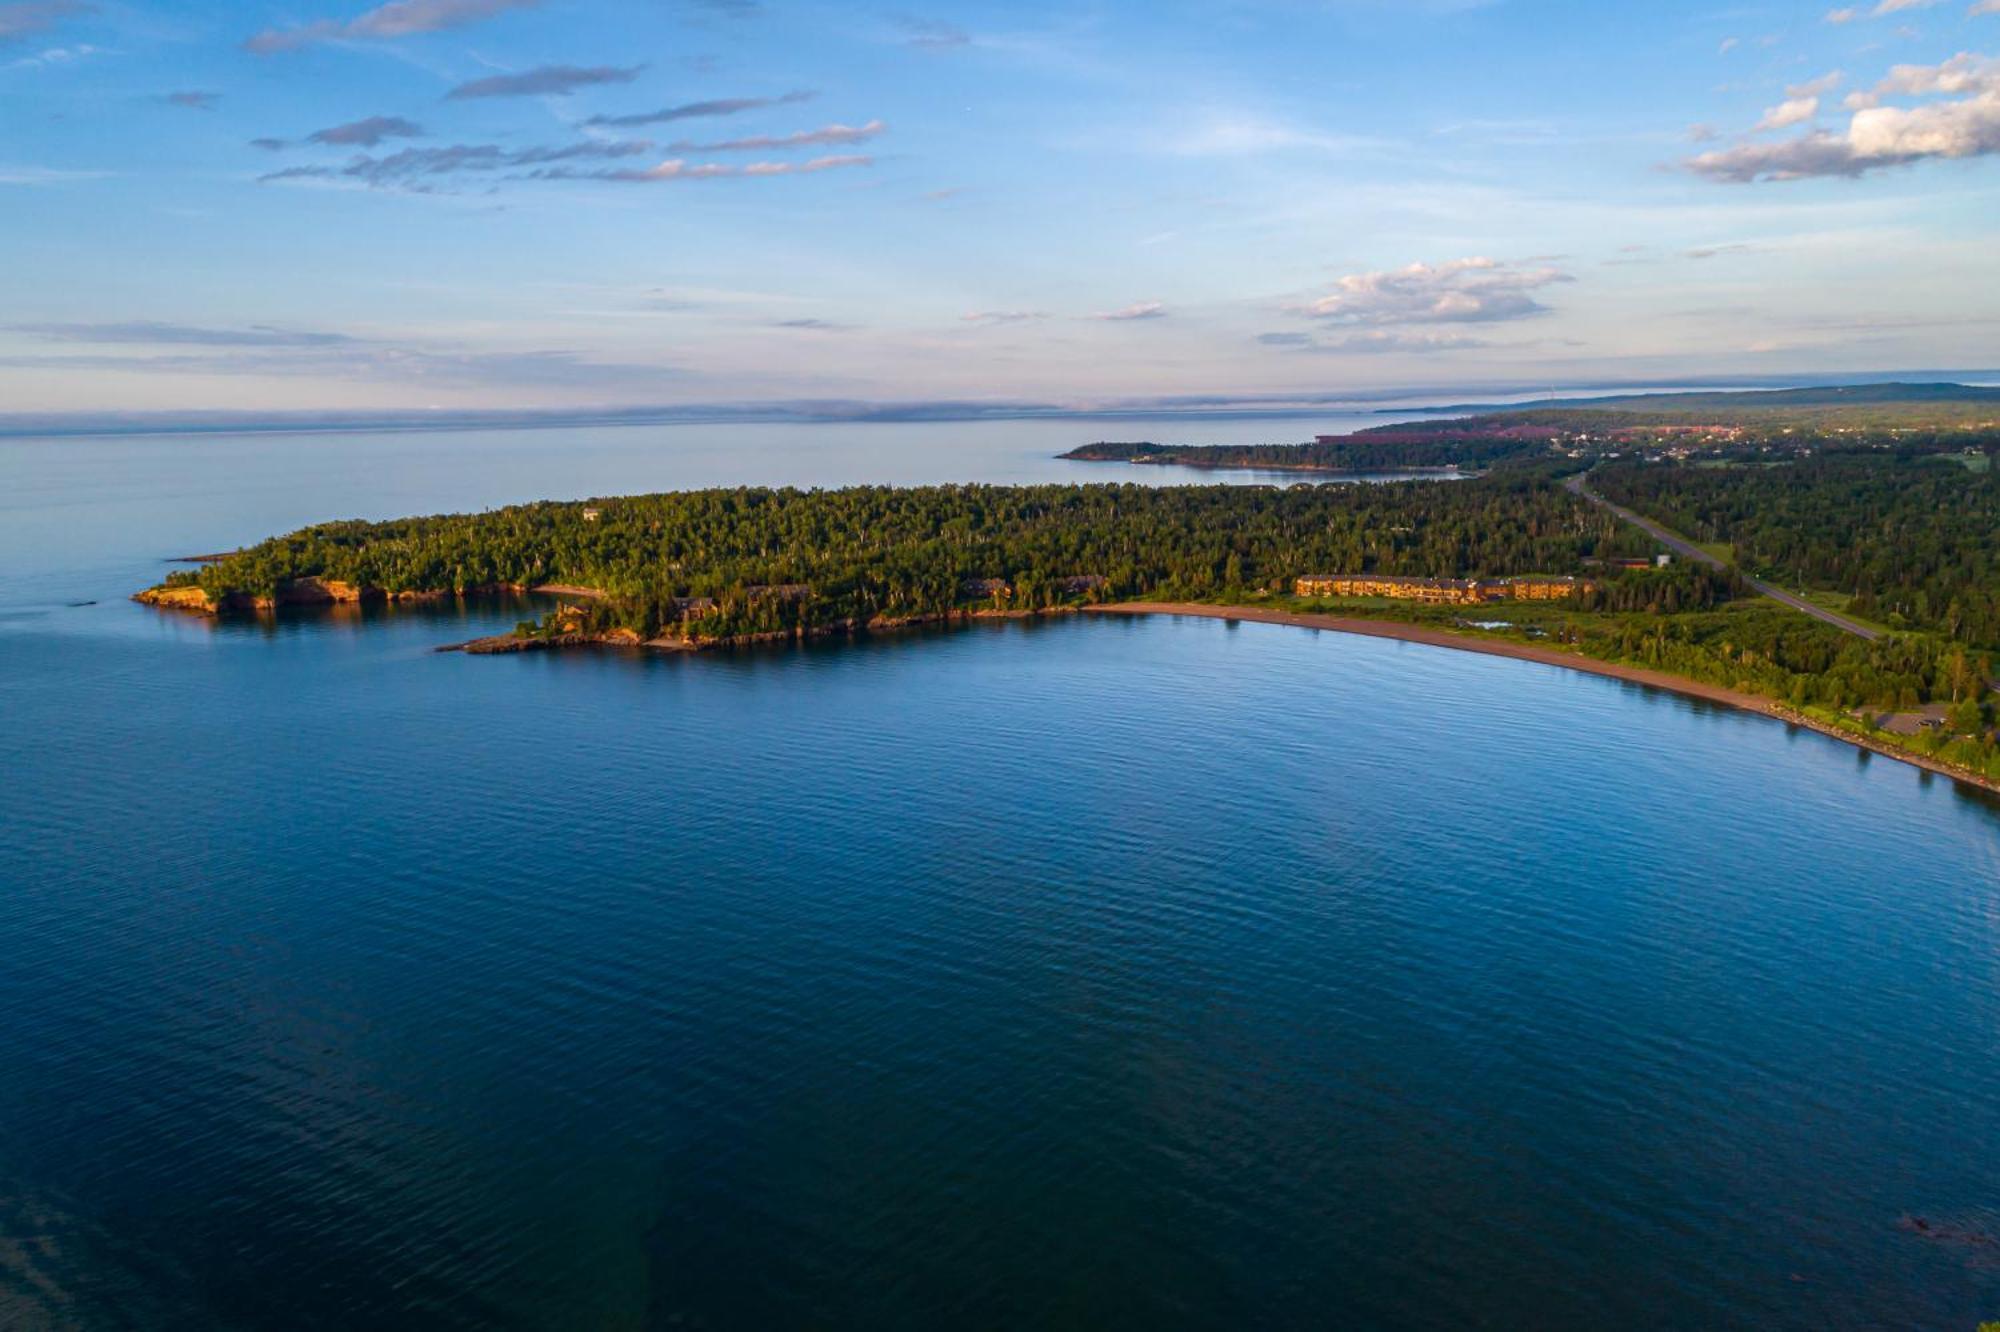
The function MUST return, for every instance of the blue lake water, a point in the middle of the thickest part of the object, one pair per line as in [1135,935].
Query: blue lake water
[1159,973]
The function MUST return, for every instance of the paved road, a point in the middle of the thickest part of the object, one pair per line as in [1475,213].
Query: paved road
[1688,550]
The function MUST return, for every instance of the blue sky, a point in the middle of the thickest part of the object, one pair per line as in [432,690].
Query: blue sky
[463,203]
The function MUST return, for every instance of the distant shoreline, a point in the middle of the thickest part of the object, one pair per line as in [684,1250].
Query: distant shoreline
[1408,471]
[1677,684]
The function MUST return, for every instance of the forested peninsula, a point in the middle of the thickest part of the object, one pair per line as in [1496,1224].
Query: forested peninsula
[1898,540]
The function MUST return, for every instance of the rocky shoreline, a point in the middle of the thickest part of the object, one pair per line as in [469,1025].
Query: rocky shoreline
[333,592]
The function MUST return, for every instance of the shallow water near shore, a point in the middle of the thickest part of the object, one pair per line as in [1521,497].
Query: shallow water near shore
[1072,973]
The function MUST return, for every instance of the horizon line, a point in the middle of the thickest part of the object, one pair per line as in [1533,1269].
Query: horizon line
[856,411]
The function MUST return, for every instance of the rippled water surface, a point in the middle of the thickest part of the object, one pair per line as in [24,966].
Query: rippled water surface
[1086,974]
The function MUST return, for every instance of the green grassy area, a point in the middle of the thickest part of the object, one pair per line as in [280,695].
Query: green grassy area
[1721,550]
[1838,603]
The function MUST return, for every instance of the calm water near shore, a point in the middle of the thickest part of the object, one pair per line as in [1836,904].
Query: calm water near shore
[1087,973]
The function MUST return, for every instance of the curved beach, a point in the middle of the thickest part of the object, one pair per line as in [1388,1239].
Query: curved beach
[1411,633]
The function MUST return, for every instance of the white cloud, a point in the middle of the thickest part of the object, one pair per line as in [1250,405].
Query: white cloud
[1882,136]
[1143,310]
[1793,111]
[1462,291]
[1002,316]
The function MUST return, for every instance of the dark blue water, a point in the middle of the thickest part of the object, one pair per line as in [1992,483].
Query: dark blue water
[1085,974]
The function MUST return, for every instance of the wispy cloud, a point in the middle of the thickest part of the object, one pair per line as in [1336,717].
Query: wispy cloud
[1240,134]
[724,106]
[36,175]
[1143,310]
[680,169]
[1003,316]
[193,101]
[1376,342]
[399,18]
[824,135]
[57,55]
[1461,291]
[1877,136]
[409,167]
[372,363]
[545,81]
[1887,9]
[928,34]
[146,332]
[31,16]
[364,133]
[1883,9]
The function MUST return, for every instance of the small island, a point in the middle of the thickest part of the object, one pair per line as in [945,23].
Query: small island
[1889,642]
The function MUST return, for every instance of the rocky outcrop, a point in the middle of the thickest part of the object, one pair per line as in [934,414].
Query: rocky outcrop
[315,591]
[187,597]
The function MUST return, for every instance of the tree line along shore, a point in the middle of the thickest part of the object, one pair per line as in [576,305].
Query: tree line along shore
[1903,537]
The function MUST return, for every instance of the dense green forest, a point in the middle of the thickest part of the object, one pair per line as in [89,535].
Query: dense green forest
[1912,536]
[1913,539]
[784,559]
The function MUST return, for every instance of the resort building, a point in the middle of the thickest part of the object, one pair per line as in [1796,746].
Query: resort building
[1447,591]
